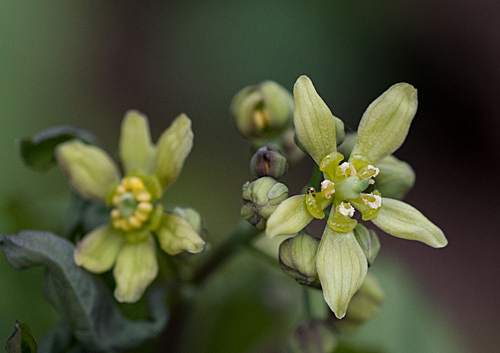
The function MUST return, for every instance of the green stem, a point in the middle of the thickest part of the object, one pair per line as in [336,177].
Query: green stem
[307,303]
[240,237]
[271,260]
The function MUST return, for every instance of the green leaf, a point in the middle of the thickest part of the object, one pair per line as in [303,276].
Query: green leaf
[21,340]
[38,151]
[86,306]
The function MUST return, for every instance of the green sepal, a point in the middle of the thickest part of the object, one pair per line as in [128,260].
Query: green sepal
[90,170]
[173,147]
[342,268]
[136,149]
[79,297]
[136,267]
[368,241]
[22,340]
[314,122]
[38,151]
[385,123]
[176,235]
[396,177]
[289,218]
[404,221]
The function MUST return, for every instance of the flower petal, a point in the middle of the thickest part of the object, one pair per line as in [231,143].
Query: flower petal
[396,177]
[404,221]
[342,268]
[176,235]
[385,124]
[136,149]
[174,145]
[136,267]
[98,250]
[314,122]
[90,170]
[289,218]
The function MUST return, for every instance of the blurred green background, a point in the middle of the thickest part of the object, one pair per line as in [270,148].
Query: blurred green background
[85,63]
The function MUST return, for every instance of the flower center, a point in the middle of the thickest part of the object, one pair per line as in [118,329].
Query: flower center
[344,186]
[132,202]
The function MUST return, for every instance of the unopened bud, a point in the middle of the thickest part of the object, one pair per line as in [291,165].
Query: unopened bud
[364,305]
[368,241]
[268,161]
[395,178]
[191,216]
[314,336]
[261,111]
[298,259]
[291,150]
[260,198]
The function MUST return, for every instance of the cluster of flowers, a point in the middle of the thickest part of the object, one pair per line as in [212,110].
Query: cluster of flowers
[357,181]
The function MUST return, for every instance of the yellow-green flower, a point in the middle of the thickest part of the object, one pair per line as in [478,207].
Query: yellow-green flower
[341,263]
[127,244]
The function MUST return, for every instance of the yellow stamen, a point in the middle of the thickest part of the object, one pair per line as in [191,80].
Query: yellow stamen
[134,222]
[145,207]
[140,215]
[346,169]
[346,209]
[115,213]
[327,188]
[143,197]
[116,199]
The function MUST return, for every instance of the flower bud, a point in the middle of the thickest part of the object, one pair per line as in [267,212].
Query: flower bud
[314,336]
[298,259]
[191,216]
[260,198]
[395,178]
[364,305]
[368,241]
[268,161]
[261,111]
[292,151]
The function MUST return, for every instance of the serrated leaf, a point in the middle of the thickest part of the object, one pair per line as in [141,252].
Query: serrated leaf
[38,151]
[21,340]
[85,304]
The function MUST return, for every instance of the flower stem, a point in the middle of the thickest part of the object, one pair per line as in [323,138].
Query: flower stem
[240,237]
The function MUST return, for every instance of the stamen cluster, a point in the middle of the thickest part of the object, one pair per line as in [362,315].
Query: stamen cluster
[132,202]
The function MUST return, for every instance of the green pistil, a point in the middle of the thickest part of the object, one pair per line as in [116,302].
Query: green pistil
[127,204]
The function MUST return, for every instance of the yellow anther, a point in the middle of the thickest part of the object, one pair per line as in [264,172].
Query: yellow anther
[115,213]
[116,199]
[134,222]
[346,169]
[120,189]
[369,171]
[327,188]
[372,201]
[145,207]
[136,183]
[141,216]
[143,197]
[261,118]
[345,209]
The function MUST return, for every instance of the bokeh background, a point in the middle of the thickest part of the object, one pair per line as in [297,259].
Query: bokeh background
[85,63]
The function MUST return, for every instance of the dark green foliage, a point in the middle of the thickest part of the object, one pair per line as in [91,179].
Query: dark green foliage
[21,340]
[89,314]
[38,151]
